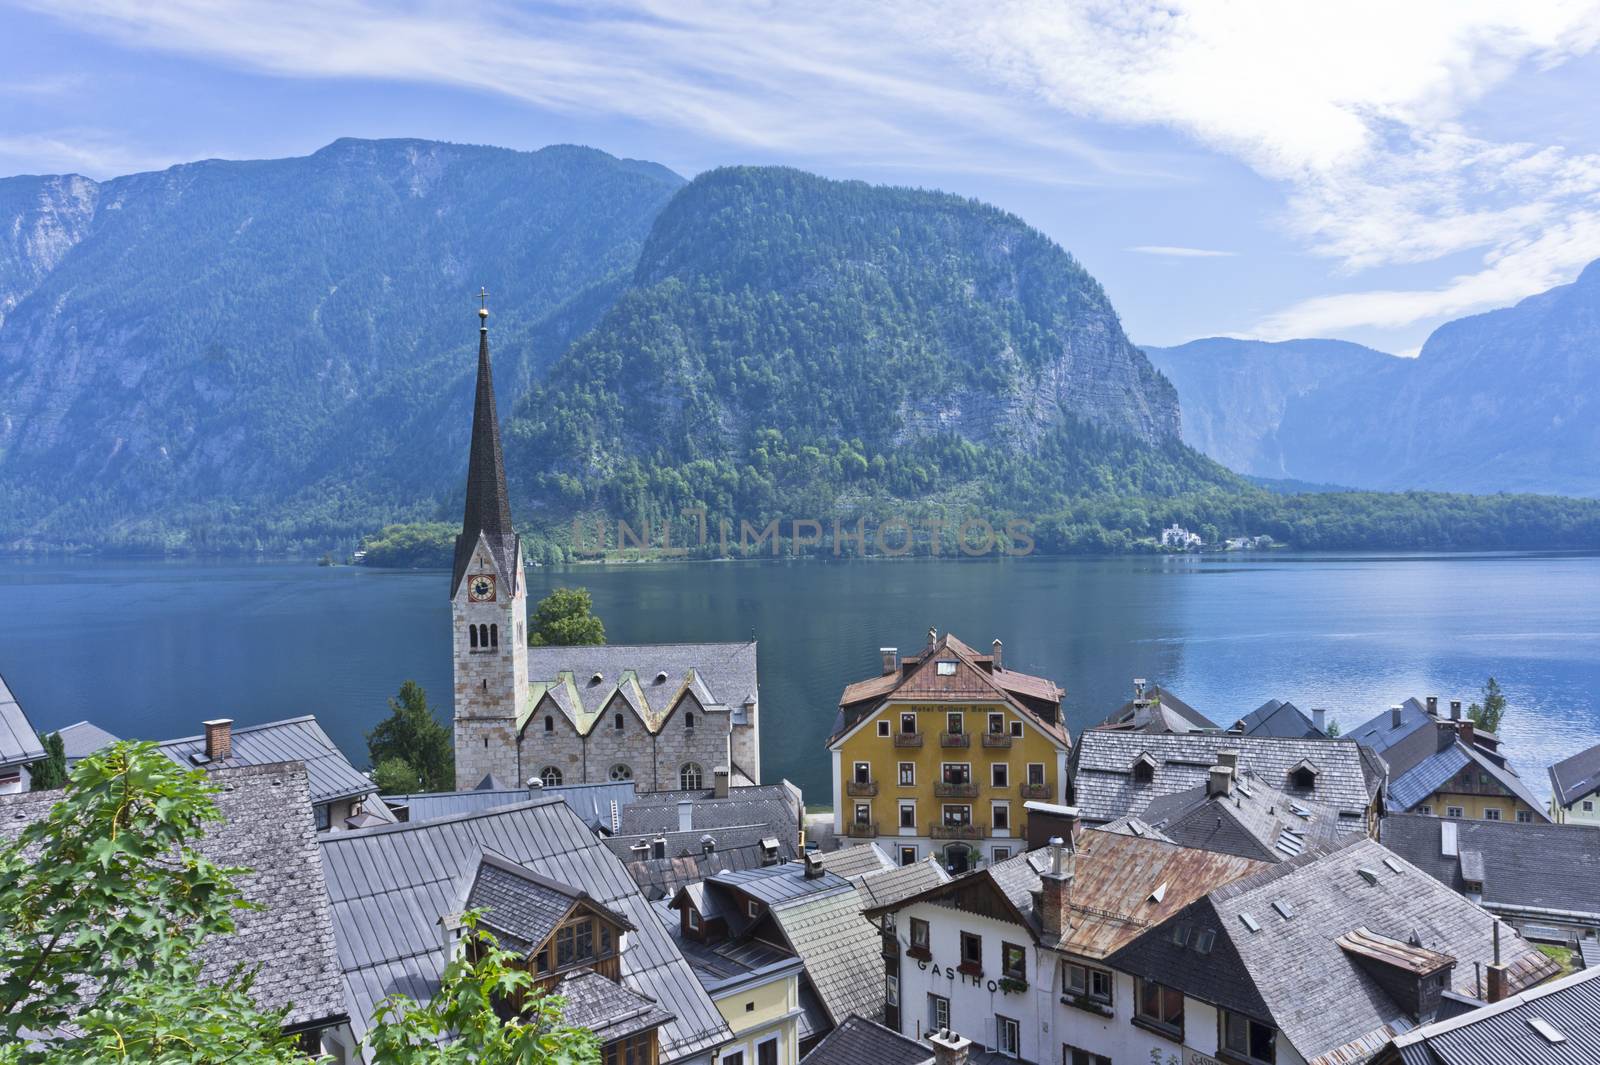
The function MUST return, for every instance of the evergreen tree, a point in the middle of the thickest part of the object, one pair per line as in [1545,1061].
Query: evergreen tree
[394,776]
[50,772]
[412,734]
[1488,714]
[565,618]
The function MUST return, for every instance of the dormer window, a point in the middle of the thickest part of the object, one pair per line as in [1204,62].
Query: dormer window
[1144,769]
[694,919]
[1303,775]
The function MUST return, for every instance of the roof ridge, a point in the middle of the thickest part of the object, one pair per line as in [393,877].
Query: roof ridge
[469,815]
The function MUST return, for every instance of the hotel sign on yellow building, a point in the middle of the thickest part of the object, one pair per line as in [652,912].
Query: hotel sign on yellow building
[938,754]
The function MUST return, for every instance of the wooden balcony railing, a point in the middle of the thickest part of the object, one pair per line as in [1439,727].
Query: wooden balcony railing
[861,830]
[954,739]
[908,739]
[996,739]
[1036,791]
[861,789]
[944,790]
[940,830]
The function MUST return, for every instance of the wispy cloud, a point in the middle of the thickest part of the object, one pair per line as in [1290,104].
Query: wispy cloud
[1181,253]
[92,153]
[1360,111]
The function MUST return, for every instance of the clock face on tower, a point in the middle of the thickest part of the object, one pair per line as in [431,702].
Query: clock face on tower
[480,588]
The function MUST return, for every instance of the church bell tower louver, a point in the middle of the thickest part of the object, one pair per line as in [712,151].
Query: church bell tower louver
[488,604]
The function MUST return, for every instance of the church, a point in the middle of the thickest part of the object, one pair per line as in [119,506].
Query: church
[667,716]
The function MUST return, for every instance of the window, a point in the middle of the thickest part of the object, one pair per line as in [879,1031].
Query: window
[1248,1039]
[1000,774]
[1001,854]
[1086,982]
[767,1052]
[863,813]
[688,719]
[574,943]
[1452,811]
[938,1012]
[908,856]
[997,724]
[971,953]
[616,722]
[1303,778]
[549,723]
[1016,730]
[908,723]
[1588,806]
[919,935]
[1071,1055]
[908,774]
[883,728]
[1000,816]
[1425,809]
[1491,813]
[1013,961]
[694,918]
[494,635]
[956,772]
[732,1057]
[753,908]
[550,776]
[691,777]
[472,636]
[1143,772]
[1008,1034]
[863,773]
[324,814]
[953,721]
[621,772]
[957,815]
[1524,817]
[1160,1006]
[947,667]
[1036,774]
[908,815]
[634,1050]
[891,989]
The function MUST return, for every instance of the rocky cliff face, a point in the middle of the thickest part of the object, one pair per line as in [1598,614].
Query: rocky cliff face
[41,220]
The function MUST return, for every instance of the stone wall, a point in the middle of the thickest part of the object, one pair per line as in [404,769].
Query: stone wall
[491,684]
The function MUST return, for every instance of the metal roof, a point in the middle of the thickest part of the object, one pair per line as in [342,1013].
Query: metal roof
[1380,733]
[1515,1031]
[1158,711]
[19,743]
[1276,717]
[389,886]
[1537,866]
[687,861]
[297,739]
[592,802]
[779,805]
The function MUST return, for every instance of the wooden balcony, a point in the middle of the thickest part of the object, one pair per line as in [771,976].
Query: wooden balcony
[996,739]
[861,789]
[954,739]
[861,830]
[968,790]
[1036,791]
[908,739]
[940,830]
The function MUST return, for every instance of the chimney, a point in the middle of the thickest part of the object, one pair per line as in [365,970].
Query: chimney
[1455,709]
[685,815]
[891,659]
[1395,713]
[994,649]
[658,848]
[1229,756]
[1447,737]
[1467,731]
[719,781]
[450,933]
[219,739]
[708,845]
[1499,975]
[813,865]
[1319,720]
[1220,785]
[933,636]
[1433,706]
[1056,888]
[1139,685]
[949,1048]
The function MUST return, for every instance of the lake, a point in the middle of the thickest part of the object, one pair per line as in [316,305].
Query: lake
[150,649]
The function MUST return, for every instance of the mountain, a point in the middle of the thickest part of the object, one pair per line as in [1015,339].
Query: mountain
[1503,401]
[1235,393]
[226,353]
[791,346]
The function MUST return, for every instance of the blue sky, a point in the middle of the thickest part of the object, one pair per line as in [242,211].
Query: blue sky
[1355,170]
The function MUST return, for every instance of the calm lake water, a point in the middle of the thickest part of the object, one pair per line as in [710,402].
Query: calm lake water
[149,649]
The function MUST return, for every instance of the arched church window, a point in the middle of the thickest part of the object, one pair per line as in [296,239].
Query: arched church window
[621,772]
[494,635]
[617,724]
[690,777]
[472,634]
[688,719]
[549,723]
[550,776]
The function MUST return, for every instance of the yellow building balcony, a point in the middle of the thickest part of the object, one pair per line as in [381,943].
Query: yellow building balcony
[954,739]
[908,739]
[861,789]
[861,829]
[1035,791]
[940,830]
[996,739]
[967,790]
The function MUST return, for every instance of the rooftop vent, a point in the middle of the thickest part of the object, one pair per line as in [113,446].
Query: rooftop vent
[1396,712]
[596,678]
[1369,875]
[1546,1029]
[1159,893]
[1250,922]
[1284,908]
[661,677]
[1393,865]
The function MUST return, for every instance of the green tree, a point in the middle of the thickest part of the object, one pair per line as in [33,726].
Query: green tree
[394,776]
[1334,731]
[50,772]
[1488,714]
[480,979]
[565,618]
[103,903]
[412,734]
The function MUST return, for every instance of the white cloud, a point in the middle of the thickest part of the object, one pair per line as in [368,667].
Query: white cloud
[90,153]
[1181,253]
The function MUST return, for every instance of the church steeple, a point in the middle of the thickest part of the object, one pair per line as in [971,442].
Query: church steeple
[488,510]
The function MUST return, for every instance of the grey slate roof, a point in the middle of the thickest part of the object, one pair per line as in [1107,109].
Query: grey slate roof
[1547,866]
[488,507]
[1254,822]
[1504,1033]
[593,802]
[1158,711]
[857,1040]
[297,739]
[856,860]
[389,886]
[81,739]
[19,743]
[727,670]
[1414,785]
[1268,973]
[890,886]
[737,847]
[1105,790]
[1577,777]
[265,827]
[1379,733]
[520,906]
[1275,717]
[779,805]
[605,1007]
[1589,950]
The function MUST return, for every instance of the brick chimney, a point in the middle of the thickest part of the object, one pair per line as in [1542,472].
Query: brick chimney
[1499,975]
[994,650]
[219,739]
[949,1048]
[891,659]
[1467,731]
[719,781]
[1220,783]
[1055,887]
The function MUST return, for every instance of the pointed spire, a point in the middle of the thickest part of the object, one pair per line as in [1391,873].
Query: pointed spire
[488,509]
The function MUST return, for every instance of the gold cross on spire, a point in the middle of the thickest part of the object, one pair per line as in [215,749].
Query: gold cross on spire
[483,300]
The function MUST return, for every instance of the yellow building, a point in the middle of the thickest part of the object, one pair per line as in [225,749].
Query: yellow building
[939,753]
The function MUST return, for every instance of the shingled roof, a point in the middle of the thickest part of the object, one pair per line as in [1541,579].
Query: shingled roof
[650,679]
[1276,717]
[1258,945]
[975,678]
[390,886]
[1105,789]
[1577,777]
[857,1040]
[1410,784]
[606,1008]
[1253,820]
[523,907]
[288,939]
[19,743]
[1158,710]
[1555,1024]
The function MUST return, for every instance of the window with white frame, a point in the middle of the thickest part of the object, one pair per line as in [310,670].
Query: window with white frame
[908,723]
[938,1012]
[1036,774]
[883,728]
[863,813]
[1000,816]
[1008,1036]
[953,722]
[863,771]
[908,815]
[1000,774]
[1001,854]
[957,814]
[908,855]
[1247,1039]
[1086,982]
[956,772]
[1491,813]
[1524,817]
[947,667]
[908,774]
[1453,811]
[891,990]
[997,724]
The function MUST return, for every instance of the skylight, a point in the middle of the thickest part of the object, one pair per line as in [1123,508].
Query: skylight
[1250,922]
[1546,1029]
[1369,875]
[1203,941]
[1284,909]
[1392,864]
[1180,934]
